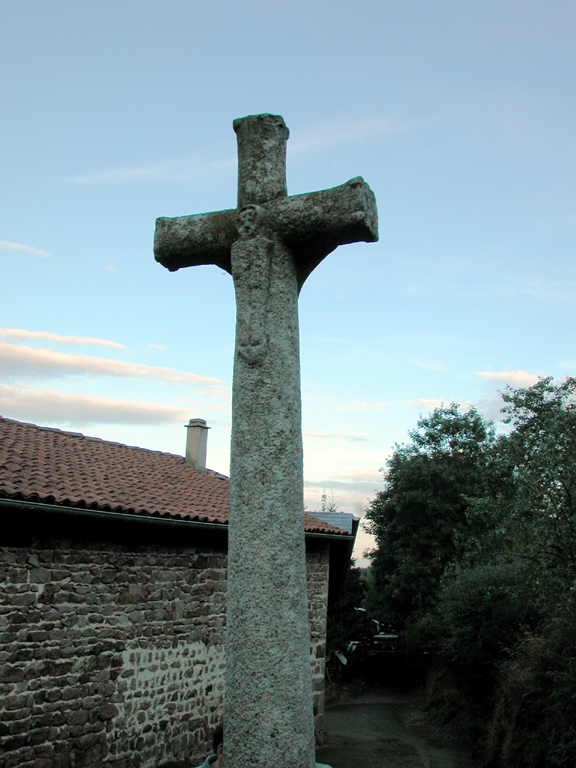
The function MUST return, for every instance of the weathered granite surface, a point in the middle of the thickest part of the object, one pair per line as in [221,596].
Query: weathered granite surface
[312,225]
[269,245]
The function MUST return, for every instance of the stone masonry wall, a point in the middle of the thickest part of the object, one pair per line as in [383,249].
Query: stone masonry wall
[114,655]
[317,571]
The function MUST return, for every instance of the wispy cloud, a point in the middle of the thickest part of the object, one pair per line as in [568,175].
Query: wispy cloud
[19,333]
[490,407]
[223,392]
[513,378]
[47,407]
[192,168]
[502,284]
[365,487]
[429,366]
[539,288]
[361,475]
[208,406]
[348,131]
[184,169]
[359,405]
[435,338]
[16,360]
[333,436]
[428,403]
[5,246]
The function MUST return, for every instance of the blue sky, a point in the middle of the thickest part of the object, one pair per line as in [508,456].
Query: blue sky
[460,116]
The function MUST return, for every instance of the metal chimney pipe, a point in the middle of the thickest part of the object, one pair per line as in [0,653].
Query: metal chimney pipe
[196,443]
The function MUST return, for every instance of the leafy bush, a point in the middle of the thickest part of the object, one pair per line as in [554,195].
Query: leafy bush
[535,713]
[480,614]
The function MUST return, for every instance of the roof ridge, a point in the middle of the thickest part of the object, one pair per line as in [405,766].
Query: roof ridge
[101,440]
[54,429]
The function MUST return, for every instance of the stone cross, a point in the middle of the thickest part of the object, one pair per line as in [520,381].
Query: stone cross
[270,244]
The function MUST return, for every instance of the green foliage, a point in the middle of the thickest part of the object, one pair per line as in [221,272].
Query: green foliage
[476,543]
[541,454]
[533,721]
[562,753]
[480,615]
[417,518]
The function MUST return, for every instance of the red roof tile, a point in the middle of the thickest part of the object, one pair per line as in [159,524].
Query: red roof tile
[42,464]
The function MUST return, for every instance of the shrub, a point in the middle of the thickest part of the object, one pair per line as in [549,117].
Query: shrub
[533,722]
[480,615]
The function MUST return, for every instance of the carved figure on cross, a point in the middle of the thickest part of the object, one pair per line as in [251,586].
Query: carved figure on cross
[269,244]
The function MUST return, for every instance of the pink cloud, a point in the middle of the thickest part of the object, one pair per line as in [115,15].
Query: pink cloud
[19,360]
[48,407]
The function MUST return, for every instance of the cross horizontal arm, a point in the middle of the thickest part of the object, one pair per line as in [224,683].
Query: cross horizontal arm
[314,224]
[311,225]
[189,241]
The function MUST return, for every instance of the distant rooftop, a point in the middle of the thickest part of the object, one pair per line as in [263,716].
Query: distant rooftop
[344,520]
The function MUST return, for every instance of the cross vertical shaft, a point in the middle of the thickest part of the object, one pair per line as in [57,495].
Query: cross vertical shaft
[268,695]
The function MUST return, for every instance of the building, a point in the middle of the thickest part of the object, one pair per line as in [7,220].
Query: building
[113,600]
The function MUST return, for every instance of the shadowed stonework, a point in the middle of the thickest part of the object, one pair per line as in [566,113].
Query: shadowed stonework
[270,244]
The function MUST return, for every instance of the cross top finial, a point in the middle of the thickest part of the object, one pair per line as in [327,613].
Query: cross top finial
[261,158]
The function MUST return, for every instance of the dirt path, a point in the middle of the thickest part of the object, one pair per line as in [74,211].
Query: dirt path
[385,728]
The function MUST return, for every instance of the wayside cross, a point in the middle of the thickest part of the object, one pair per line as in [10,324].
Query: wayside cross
[269,244]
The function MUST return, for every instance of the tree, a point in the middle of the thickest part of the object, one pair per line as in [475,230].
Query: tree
[541,454]
[526,509]
[504,621]
[416,519]
[476,541]
[328,504]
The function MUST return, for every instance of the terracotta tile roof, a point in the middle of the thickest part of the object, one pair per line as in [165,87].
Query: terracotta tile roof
[42,464]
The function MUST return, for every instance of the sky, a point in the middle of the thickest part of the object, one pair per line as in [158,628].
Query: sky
[460,115]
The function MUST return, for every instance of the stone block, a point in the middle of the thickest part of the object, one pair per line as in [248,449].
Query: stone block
[107,712]
[77,717]
[9,673]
